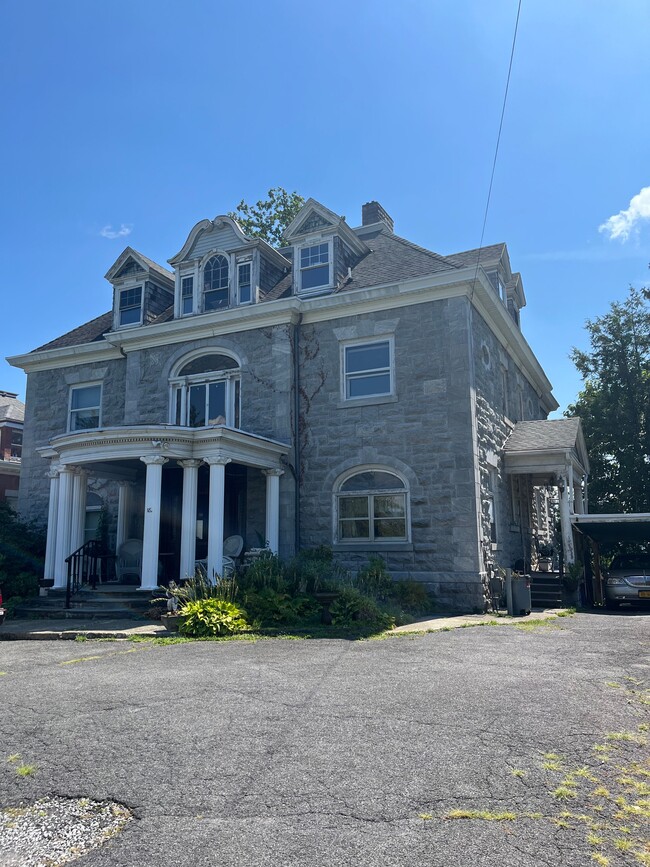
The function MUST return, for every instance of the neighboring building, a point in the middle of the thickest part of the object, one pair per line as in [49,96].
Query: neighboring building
[351,389]
[12,415]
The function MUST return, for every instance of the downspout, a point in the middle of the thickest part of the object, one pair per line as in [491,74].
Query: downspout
[296,426]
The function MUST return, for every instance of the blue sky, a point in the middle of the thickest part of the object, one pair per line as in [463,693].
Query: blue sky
[145,117]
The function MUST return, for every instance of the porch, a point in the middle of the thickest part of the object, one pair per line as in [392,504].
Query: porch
[180,491]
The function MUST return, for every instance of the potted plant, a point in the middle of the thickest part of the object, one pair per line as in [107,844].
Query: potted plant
[172,619]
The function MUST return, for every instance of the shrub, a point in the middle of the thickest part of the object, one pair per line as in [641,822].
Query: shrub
[412,596]
[264,572]
[352,606]
[374,579]
[22,551]
[272,608]
[208,617]
[314,570]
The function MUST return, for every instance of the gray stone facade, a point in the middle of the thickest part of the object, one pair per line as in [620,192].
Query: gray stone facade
[458,388]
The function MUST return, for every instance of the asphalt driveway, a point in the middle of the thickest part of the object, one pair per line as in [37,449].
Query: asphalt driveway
[336,752]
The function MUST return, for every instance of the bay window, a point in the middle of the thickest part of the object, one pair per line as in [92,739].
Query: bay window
[206,391]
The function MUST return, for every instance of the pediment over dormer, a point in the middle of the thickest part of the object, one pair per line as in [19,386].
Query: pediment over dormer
[130,263]
[223,233]
[314,219]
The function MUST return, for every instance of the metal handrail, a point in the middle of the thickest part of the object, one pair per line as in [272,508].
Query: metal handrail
[84,567]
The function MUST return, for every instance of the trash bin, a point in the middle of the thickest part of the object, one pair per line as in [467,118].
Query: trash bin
[520,595]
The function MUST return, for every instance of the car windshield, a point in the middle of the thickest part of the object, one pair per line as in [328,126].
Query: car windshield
[640,562]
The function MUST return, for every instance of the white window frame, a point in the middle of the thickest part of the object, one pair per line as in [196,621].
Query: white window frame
[298,269]
[231,377]
[346,377]
[191,277]
[371,539]
[77,387]
[120,290]
[211,255]
[239,265]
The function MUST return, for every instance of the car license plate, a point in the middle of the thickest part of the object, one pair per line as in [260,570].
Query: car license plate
[644,594]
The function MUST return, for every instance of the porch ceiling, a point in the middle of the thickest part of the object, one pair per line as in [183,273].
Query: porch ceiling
[118,444]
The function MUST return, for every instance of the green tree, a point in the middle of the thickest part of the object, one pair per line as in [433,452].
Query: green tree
[269,217]
[614,405]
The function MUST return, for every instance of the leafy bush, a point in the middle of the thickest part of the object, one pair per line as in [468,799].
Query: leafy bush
[374,579]
[314,570]
[264,572]
[412,596]
[352,606]
[22,553]
[209,617]
[272,608]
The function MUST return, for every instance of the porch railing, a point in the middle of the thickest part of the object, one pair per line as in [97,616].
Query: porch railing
[85,566]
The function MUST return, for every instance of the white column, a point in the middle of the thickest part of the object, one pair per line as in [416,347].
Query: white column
[63,526]
[123,513]
[216,515]
[50,547]
[188,517]
[565,523]
[273,508]
[78,519]
[151,534]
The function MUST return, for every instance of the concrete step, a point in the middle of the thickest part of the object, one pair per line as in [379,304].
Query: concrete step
[84,612]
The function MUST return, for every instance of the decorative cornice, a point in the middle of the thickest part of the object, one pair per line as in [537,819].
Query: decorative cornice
[207,226]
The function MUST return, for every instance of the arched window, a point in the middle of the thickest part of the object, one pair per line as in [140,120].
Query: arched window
[205,391]
[215,283]
[372,506]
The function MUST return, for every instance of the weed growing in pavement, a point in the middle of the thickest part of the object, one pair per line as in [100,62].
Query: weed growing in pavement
[13,758]
[517,772]
[25,770]
[484,815]
[80,637]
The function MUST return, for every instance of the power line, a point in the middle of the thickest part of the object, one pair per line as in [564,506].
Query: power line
[496,149]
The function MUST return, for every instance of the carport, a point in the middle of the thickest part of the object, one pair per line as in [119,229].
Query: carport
[610,529]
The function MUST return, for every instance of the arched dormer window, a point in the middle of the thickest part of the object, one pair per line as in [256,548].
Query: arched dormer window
[215,283]
[206,391]
[371,506]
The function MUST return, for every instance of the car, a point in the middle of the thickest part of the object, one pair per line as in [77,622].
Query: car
[628,580]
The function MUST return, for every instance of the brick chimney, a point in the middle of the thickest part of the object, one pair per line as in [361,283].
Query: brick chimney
[372,212]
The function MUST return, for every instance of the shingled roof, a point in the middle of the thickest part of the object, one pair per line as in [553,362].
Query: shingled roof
[483,255]
[552,433]
[390,259]
[11,409]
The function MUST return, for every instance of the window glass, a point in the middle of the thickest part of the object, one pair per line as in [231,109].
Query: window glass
[217,403]
[314,266]
[130,306]
[367,370]
[187,295]
[206,392]
[372,506]
[197,406]
[244,282]
[215,283]
[208,364]
[84,407]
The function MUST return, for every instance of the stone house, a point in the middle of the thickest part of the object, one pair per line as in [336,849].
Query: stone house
[12,414]
[350,389]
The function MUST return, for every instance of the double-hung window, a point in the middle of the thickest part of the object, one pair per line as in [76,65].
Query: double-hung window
[85,407]
[244,282]
[187,295]
[314,266]
[372,507]
[367,369]
[131,306]
[206,391]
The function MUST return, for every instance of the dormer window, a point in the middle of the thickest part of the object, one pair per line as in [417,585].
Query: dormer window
[315,264]
[244,282]
[131,306]
[215,283]
[187,295]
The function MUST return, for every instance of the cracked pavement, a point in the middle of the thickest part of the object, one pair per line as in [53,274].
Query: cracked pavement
[323,752]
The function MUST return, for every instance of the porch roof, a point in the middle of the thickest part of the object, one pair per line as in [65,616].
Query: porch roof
[546,449]
[632,527]
[170,441]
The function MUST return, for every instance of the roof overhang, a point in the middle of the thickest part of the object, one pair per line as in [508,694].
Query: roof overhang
[169,441]
[545,466]
[633,527]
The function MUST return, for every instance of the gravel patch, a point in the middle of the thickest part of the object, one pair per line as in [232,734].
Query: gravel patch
[54,831]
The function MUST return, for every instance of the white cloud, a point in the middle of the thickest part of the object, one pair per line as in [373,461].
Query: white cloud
[110,232]
[622,225]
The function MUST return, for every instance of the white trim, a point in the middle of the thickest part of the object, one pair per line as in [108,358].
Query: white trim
[77,387]
[228,288]
[249,265]
[343,375]
[118,300]
[298,269]
[207,226]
